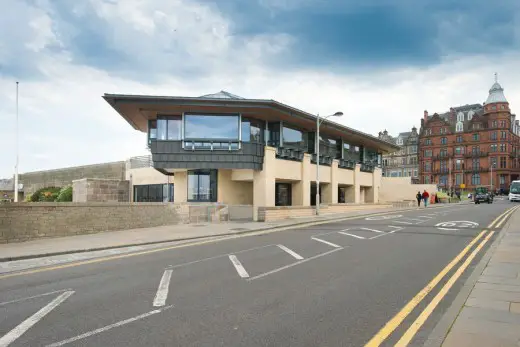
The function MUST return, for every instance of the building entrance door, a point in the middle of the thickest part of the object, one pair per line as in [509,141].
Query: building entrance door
[313,194]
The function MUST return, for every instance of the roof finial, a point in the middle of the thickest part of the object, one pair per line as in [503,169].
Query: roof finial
[496,77]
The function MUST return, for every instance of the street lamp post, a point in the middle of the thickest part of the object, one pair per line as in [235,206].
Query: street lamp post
[17,150]
[318,124]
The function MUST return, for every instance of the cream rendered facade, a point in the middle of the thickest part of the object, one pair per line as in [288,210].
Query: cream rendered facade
[257,188]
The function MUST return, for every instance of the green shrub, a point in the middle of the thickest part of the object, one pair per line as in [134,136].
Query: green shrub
[28,198]
[46,194]
[65,194]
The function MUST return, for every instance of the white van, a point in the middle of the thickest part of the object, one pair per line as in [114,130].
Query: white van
[514,191]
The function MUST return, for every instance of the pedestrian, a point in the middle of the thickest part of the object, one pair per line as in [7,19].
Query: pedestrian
[425,197]
[419,198]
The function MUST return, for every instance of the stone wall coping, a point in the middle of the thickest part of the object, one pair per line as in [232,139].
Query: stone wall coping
[99,179]
[323,206]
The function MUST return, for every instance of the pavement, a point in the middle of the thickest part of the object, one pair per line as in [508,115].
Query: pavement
[134,239]
[373,280]
[490,315]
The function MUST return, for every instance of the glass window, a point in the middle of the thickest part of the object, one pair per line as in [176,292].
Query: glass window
[328,146]
[273,129]
[503,147]
[202,185]
[252,130]
[153,193]
[459,138]
[444,140]
[293,138]
[503,135]
[428,153]
[494,135]
[459,164]
[218,127]
[283,194]
[458,179]
[503,162]
[162,127]
[152,129]
[174,128]
[476,137]
[475,179]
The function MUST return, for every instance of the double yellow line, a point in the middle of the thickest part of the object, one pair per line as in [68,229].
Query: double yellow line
[407,337]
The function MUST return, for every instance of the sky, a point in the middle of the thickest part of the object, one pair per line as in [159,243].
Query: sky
[380,62]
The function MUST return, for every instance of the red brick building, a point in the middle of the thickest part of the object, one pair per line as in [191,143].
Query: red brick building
[471,145]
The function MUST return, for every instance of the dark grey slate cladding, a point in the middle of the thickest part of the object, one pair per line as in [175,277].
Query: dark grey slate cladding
[171,155]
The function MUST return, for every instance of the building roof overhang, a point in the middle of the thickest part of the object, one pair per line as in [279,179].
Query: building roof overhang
[138,109]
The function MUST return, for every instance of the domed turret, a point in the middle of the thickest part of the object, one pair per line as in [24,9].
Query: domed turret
[496,93]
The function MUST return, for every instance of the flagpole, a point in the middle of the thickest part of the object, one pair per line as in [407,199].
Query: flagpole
[17,151]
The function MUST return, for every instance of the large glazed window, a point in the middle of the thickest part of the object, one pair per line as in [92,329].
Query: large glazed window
[252,130]
[202,185]
[293,138]
[153,193]
[167,128]
[211,127]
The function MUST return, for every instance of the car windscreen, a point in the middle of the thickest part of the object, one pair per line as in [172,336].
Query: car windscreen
[515,188]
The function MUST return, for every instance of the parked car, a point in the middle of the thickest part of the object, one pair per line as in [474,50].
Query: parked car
[483,195]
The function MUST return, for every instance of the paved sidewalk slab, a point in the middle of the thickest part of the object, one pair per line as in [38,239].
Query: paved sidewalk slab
[162,234]
[491,314]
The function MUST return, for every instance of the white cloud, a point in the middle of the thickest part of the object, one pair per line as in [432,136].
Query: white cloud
[64,121]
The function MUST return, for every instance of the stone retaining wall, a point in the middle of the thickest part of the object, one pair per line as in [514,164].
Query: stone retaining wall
[28,221]
[268,214]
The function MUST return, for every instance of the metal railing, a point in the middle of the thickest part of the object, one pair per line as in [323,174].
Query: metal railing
[346,164]
[211,145]
[324,160]
[141,162]
[475,154]
[367,167]
[289,153]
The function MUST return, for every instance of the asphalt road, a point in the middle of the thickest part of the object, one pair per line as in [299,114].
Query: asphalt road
[312,286]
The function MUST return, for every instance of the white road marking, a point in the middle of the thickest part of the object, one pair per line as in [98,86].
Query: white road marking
[291,252]
[108,327]
[356,236]
[34,296]
[294,264]
[238,266]
[428,217]
[375,237]
[374,230]
[398,228]
[326,242]
[217,256]
[162,291]
[19,330]
[402,222]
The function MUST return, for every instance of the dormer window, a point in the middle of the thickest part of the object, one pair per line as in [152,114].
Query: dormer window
[470,115]
[460,117]
[459,127]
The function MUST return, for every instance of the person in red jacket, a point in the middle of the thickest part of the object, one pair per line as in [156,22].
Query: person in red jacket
[425,197]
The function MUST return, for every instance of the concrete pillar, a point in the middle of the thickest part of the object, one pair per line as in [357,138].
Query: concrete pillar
[330,191]
[264,183]
[373,192]
[180,186]
[301,191]
[353,194]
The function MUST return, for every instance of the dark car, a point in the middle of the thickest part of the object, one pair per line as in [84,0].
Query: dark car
[483,195]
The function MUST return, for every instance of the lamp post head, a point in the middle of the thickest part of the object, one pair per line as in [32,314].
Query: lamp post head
[338,114]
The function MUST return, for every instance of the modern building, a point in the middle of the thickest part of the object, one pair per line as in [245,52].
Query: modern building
[472,145]
[228,149]
[404,162]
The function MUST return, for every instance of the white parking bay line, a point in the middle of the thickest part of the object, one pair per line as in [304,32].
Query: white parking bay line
[18,331]
[374,230]
[162,291]
[108,327]
[326,242]
[356,236]
[291,252]
[294,264]
[402,222]
[34,297]
[238,266]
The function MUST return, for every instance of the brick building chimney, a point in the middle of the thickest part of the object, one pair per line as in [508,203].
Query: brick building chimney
[425,116]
